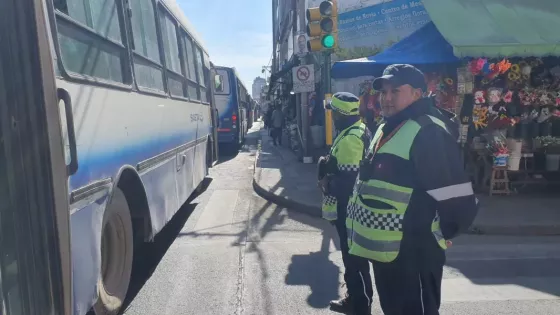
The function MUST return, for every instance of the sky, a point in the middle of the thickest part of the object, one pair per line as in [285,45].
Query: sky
[242,39]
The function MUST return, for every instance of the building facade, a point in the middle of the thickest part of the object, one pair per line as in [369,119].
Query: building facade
[258,84]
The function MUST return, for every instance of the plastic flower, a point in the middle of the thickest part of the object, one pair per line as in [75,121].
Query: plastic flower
[515,68]
[486,68]
[514,76]
[508,96]
[503,66]
[476,65]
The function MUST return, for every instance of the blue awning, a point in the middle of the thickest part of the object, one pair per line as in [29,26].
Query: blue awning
[424,48]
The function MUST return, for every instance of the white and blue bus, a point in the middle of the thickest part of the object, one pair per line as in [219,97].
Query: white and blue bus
[132,80]
[233,104]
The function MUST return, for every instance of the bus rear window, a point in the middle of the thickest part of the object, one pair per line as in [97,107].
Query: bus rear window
[221,82]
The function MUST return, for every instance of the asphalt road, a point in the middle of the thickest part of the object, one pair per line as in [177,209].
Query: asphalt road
[230,252]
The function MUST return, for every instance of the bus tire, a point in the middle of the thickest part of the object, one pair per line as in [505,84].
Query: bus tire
[116,256]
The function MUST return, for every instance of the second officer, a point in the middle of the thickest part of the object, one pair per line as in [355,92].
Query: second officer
[337,174]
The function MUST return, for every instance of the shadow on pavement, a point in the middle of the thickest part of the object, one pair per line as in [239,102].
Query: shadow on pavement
[318,272]
[148,255]
[530,273]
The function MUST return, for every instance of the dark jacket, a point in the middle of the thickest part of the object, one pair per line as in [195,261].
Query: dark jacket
[441,183]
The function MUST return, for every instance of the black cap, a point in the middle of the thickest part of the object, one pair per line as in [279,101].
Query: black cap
[401,74]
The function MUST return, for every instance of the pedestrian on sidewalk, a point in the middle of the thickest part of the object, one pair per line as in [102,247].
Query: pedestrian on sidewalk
[268,119]
[277,123]
[412,195]
[337,174]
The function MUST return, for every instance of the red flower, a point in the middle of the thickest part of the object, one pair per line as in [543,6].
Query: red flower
[508,96]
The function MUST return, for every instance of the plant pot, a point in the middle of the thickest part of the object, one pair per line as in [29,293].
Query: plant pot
[500,160]
[552,162]
[513,162]
[537,144]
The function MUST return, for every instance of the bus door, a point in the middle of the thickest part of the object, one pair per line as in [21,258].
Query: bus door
[35,262]
[215,121]
[228,112]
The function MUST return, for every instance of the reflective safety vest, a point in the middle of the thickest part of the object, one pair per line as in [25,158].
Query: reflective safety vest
[377,209]
[348,149]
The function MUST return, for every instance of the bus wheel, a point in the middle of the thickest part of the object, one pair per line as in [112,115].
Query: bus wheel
[116,256]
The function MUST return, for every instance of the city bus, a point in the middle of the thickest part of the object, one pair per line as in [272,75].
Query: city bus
[232,103]
[133,106]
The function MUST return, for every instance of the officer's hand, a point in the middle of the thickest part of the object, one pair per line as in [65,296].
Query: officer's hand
[448,243]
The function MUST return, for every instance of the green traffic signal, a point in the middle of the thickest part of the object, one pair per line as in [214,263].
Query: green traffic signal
[328,41]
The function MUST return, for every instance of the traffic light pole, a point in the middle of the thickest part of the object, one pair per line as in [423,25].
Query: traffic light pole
[327,76]
[304,98]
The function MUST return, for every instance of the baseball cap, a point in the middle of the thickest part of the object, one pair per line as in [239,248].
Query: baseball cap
[401,74]
[344,103]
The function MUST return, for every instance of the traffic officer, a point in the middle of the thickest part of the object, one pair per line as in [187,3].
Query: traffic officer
[337,175]
[412,195]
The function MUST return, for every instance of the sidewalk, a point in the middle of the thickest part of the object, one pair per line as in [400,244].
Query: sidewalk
[280,178]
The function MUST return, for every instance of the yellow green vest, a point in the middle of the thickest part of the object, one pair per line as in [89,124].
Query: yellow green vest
[374,233]
[347,160]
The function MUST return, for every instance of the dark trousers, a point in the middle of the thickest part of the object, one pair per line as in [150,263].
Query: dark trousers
[408,287]
[276,134]
[356,273]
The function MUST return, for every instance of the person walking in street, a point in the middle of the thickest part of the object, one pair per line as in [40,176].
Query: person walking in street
[411,197]
[337,174]
[277,123]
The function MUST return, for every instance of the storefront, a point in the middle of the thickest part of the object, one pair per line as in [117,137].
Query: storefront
[509,107]
[511,121]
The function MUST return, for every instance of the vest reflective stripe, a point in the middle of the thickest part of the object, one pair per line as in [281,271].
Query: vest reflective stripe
[377,245]
[376,233]
[385,193]
[329,206]
[436,231]
[374,236]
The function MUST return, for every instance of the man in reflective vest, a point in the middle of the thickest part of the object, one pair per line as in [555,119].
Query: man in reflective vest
[411,196]
[337,175]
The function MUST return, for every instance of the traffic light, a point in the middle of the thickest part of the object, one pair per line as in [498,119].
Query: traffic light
[322,26]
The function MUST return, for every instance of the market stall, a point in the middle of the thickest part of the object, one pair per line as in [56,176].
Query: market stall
[426,49]
[511,121]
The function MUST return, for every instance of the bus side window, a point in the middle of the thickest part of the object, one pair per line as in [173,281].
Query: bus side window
[199,70]
[147,61]
[82,52]
[192,85]
[175,79]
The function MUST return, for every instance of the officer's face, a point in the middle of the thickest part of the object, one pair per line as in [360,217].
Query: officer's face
[393,99]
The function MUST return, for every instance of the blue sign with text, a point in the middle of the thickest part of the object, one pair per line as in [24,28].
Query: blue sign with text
[369,30]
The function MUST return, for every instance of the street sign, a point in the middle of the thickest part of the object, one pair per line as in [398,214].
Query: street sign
[303,78]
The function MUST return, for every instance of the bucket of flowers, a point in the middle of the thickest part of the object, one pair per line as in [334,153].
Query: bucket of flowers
[499,151]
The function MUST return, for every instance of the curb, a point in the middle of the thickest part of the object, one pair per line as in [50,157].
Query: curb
[281,201]
[475,229]
[527,230]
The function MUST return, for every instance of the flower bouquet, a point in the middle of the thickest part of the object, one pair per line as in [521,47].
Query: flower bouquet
[499,150]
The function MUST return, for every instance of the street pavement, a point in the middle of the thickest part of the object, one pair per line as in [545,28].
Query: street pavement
[283,179]
[231,252]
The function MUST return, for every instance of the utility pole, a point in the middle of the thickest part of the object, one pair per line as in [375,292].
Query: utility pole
[304,97]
